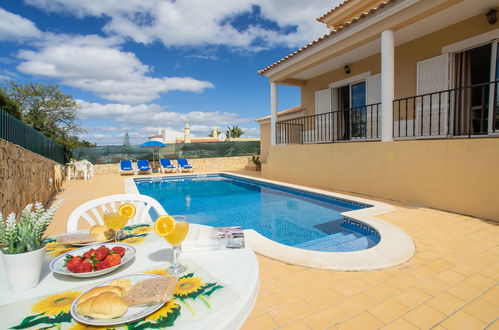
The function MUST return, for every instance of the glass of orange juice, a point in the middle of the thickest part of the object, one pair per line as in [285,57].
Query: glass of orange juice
[174,229]
[115,221]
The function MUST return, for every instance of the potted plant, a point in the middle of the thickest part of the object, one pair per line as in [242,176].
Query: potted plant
[257,162]
[22,245]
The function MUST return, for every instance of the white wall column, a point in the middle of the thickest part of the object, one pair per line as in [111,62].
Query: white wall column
[387,84]
[273,113]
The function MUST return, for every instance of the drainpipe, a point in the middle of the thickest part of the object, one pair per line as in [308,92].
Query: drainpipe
[387,84]
[273,113]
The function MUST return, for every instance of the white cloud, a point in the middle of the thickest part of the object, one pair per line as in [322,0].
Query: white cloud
[202,22]
[97,65]
[15,27]
[145,114]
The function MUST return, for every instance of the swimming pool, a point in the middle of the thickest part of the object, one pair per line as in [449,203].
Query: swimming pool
[293,217]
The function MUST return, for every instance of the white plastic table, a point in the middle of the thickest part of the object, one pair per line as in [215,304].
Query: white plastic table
[235,267]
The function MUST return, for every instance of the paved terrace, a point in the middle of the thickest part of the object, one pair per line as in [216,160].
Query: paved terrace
[450,283]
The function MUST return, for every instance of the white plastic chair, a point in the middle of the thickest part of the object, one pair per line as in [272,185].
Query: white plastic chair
[93,210]
[81,169]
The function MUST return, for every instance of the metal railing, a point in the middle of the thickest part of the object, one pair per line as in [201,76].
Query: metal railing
[354,124]
[462,111]
[17,132]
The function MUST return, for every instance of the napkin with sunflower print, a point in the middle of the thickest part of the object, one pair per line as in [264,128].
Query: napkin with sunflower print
[133,234]
[196,295]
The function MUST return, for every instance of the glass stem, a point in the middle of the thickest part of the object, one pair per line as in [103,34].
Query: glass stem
[176,254]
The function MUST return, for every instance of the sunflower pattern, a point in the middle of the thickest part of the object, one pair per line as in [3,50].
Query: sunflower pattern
[53,311]
[56,304]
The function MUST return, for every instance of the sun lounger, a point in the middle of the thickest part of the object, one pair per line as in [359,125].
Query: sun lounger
[183,164]
[126,167]
[166,165]
[143,166]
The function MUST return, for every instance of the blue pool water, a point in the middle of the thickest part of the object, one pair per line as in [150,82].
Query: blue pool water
[288,216]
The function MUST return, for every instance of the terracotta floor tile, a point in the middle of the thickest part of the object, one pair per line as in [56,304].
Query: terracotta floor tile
[445,303]
[290,312]
[404,281]
[375,277]
[363,320]
[382,291]
[262,321]
[356,303]
[464,269]
[439,265]
[351,287]
[424,316]
[491,272]
[324,318]
[323,298]
[462,320]
[464,291]
[480,282]
[482,310]
[432,286]
[450,277]
[388,310]
[295,326]
[492,296]
[494,326]
[412,297]
[400,324]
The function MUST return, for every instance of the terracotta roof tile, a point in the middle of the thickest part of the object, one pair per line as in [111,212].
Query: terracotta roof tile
[327,35]
[334,9]
[298,108]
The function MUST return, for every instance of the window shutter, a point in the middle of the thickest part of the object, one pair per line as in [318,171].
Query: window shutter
[431,110]
[321,130]
[373,96]
[322,101]
[373,89]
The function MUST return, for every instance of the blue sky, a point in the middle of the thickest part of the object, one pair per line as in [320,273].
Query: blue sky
[138,65]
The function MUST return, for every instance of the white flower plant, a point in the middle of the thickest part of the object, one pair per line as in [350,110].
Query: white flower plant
[26,235]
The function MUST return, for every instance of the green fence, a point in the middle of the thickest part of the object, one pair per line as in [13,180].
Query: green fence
[113,154]
[18,132]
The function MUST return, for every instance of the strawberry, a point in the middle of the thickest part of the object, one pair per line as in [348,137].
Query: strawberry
[84,267]
[102,265]
[101,254]
[104,249]
[119,250]
[113,259]
[87,254]
[72,263]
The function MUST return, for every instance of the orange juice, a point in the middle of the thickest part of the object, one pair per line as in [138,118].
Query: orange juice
[115,221]
[179,234]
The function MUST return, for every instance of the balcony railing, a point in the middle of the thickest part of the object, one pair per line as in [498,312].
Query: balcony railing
[455,112]
[360,123]
[459,112]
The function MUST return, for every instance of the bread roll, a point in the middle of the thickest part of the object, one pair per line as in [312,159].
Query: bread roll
[123,283]
[151,291]
[105,306]
[119,291]
[101,233]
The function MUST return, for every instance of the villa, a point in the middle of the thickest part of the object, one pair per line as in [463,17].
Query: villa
[375,207]
[398,100]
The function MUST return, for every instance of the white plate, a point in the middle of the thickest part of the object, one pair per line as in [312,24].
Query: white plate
[85,231]
[57,265]
[134,313]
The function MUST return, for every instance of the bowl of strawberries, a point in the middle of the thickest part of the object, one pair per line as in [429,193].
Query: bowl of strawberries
[93,260]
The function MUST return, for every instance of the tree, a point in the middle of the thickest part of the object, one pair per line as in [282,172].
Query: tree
[9,105]
[212,131]
[46,108]
[234,132]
